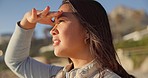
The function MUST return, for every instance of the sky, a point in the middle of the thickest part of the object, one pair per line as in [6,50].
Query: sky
[12,11]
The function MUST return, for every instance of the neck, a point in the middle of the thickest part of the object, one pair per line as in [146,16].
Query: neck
[83,57]
[78,63]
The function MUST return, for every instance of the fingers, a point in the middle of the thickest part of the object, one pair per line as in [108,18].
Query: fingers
[34,13]
[32,16]
[44,12]
[43,17]
[52,16]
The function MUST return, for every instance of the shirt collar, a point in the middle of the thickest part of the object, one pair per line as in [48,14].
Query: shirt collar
[84,71]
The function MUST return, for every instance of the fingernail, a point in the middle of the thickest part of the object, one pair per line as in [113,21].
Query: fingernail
[33,9]
[46,7]
[60,11]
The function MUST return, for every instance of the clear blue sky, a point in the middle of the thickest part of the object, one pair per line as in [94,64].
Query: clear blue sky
[12,11]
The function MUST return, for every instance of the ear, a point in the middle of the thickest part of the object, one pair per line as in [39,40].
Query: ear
[86,34]
[86,37]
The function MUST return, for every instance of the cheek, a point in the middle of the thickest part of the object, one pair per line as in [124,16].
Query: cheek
[72,36]
[72,39]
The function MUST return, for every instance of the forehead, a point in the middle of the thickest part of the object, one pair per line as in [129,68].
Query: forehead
[67,11]
[65,8]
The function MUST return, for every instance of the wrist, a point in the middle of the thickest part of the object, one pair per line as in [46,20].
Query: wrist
[24,23]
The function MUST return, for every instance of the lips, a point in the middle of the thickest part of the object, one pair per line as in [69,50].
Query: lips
[56,41]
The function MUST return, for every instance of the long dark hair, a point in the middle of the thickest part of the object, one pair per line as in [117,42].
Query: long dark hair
[93,17]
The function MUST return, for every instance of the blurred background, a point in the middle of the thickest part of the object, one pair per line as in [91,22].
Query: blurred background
[129,25]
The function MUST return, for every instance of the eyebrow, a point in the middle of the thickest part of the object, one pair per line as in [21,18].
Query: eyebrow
[65,14]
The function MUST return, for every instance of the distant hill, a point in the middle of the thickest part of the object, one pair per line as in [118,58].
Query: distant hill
[124,20]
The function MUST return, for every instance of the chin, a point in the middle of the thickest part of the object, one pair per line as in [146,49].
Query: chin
[59,54]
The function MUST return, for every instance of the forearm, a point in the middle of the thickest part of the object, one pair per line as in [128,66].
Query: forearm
[18,60]
[19,45]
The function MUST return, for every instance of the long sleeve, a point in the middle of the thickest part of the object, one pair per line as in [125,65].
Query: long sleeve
[18,60]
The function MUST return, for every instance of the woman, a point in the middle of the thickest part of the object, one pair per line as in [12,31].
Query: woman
[81,32]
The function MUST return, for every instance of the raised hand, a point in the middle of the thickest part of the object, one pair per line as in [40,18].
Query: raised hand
[34,16]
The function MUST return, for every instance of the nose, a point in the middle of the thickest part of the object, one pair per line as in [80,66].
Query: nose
[54,30]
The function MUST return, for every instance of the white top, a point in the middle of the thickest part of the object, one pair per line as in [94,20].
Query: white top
[18,60]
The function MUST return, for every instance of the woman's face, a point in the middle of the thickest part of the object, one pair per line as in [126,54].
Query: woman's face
[68,34]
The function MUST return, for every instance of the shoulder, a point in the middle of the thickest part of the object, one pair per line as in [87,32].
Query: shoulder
[107,74]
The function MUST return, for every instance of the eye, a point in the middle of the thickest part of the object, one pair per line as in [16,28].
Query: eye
[61,20]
